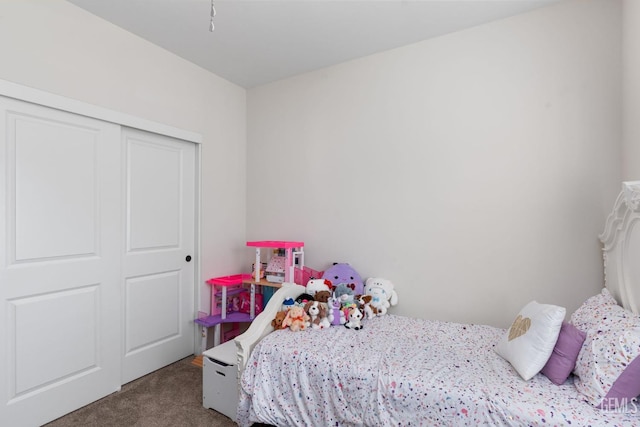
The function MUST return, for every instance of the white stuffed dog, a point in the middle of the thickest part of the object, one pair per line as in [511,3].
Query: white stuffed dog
[382,294]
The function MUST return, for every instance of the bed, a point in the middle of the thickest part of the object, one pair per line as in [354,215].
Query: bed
[407,371]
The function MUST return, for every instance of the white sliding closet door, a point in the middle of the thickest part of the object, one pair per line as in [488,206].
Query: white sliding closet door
[158,270]
[60,255]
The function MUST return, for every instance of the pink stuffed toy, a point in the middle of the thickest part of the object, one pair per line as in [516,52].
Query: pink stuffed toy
[296,319]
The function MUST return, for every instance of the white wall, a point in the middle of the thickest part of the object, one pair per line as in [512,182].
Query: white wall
[54,46]
[631,86]
[474,170]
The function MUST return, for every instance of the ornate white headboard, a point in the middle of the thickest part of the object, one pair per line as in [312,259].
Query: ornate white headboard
[621,250]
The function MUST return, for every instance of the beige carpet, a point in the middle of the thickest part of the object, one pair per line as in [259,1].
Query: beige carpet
[171,396]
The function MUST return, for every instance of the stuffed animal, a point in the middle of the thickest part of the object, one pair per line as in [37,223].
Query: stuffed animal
[317,312]
[335,313]
[382,294]
[344,293]
[355,316]
[316,285]
[365,303]
[287,304]
[343,273]
[296,319]
[323,296]
[303,299]
[277,321]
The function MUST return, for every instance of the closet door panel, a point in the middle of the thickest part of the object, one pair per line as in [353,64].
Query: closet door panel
[154,195]
[55,189]
[159,224]
[143,330]
[71,338]
[60,264]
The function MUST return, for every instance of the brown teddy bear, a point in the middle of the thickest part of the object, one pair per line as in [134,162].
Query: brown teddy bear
[277,321]
[323,296]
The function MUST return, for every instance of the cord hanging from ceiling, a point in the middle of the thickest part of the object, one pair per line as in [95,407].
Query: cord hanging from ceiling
[213,14]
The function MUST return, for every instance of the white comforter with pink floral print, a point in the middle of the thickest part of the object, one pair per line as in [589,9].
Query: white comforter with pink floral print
[404,372]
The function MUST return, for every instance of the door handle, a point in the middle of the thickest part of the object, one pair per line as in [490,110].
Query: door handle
[188,258]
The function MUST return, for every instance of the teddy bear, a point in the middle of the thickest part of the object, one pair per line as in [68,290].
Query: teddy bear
[323,296]
[317,312]
[277,321]
[355,317]
[382,294]
[296,319]
[316,285]
[343,273]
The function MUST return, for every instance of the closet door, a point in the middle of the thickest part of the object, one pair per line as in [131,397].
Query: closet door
[60,257]
[158,288]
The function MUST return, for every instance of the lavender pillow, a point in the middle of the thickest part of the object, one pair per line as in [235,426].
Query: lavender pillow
[565,353]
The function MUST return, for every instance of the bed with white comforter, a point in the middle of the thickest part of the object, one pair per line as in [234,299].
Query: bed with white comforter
[405,372]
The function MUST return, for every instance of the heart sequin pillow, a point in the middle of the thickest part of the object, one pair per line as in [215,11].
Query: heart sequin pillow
[519,327]
[530,340]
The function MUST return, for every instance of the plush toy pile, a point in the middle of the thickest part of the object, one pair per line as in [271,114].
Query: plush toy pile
[340,297]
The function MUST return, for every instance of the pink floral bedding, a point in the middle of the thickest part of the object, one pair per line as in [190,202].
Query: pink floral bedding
[402,371]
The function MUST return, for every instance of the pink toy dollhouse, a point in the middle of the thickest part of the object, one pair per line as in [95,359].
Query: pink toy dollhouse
[227,288]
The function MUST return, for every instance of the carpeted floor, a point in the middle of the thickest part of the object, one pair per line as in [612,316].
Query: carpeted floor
[171,396]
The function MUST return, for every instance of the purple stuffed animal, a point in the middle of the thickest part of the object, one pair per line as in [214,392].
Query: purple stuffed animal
[340,273]
[335,312]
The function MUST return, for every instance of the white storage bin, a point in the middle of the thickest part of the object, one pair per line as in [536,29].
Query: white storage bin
[220,379]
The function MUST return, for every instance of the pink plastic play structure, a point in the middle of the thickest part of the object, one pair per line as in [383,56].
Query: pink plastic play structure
[225,288]
[293,251]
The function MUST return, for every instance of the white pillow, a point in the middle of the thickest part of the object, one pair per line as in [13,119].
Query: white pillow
[608,365]
[530,340]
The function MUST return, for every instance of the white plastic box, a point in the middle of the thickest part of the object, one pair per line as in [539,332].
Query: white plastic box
[220,379]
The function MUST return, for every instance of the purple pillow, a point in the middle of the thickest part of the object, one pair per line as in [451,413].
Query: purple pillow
[563,359]
[625,389]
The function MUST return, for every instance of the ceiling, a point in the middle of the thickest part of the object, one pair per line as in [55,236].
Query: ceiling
[257,42]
